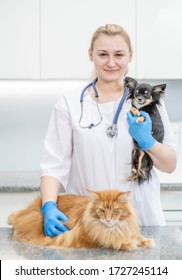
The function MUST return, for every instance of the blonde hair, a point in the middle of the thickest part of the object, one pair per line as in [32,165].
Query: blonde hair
[111,30]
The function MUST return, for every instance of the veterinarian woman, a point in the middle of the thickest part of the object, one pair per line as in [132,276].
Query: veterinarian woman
[88,144]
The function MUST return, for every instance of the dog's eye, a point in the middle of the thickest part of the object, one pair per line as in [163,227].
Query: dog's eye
[146,91]
[137,91]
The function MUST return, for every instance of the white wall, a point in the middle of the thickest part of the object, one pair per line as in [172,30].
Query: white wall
[25,109]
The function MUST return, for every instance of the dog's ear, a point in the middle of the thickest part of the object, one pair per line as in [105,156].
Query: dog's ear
[159,88]
[130,83]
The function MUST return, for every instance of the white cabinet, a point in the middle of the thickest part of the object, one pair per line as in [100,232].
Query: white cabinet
[19,36]
[159,40]
[172,206]
[66,31]
[49,39]
[176,176]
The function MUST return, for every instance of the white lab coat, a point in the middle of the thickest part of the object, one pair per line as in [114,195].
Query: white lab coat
[87,159]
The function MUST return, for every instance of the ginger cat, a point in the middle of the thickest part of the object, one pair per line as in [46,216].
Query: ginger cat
[106,219]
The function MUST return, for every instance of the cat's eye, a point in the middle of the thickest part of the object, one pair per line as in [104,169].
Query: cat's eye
[101,209]
[115,209]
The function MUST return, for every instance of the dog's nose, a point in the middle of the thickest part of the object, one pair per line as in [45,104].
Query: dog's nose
[140,98]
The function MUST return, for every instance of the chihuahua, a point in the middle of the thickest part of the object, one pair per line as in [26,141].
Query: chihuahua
[145,97]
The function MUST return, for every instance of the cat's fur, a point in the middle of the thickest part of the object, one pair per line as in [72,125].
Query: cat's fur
[106,219]
[145,97]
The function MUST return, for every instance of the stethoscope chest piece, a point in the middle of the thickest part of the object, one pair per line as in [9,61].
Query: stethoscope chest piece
[112,131]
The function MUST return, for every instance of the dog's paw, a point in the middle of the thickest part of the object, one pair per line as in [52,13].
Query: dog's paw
[133,175]
[140,119]
[135,111]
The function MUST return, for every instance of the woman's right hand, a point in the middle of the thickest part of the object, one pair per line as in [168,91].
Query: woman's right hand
[52,219]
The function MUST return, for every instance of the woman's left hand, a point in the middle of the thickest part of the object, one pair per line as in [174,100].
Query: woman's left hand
[141,132]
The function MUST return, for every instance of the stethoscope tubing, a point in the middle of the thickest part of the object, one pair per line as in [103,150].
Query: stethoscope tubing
[112,129]
[87,86]
[115,120]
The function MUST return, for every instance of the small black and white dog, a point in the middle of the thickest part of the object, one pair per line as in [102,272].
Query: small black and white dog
[145,97]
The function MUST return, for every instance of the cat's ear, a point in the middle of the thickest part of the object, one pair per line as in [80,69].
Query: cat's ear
[124,196]
[159,88]
[94,195]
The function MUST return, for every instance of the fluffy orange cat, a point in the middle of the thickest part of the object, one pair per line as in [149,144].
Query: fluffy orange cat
[105,219]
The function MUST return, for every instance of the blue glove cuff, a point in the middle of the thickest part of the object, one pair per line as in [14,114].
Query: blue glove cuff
[148,144]
[48,205]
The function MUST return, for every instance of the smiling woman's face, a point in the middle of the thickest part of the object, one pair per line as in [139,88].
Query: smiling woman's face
[111,56]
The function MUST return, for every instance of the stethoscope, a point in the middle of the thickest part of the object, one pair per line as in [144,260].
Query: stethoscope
[112,130]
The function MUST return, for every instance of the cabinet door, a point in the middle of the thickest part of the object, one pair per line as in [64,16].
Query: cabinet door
[159,40]
[66,31]
[19,39]
[172,206]
[175,177]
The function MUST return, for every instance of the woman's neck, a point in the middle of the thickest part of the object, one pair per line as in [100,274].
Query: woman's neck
[108,91]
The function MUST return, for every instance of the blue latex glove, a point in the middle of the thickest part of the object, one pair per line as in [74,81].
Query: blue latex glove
[141,132]
[52,219]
